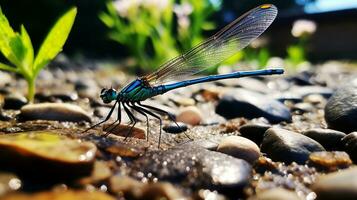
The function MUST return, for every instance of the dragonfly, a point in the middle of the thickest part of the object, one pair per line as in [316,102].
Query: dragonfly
[176,72]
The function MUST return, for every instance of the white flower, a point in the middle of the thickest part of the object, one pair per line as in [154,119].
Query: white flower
[303,27]
[182,10]
[123,6]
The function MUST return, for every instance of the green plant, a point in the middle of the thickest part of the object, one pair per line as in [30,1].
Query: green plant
[148,27]
[17,48]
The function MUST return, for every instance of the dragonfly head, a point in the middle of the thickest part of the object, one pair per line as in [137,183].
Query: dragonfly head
[108,95]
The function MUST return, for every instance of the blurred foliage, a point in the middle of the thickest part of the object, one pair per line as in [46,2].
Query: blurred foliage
[18,50]
[302,30]
[156,30]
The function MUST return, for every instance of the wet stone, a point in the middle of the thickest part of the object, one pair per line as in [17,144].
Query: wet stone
[287,146]
[54,111]
[350,145]
[328,138]
[14,101]
[190,115]
[248,104]
[41,153]
[254,132]
[337,185]
[239,147]
[173,128]
[195,167]
[330,161]
[341,108]
[276,194]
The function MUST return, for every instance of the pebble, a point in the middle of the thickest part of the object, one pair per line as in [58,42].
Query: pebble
[190,115]
[248,104]
[173,128]
[287,146]
[341,108]
[54,112]
[254,132]
[14,101]
[276,194]
[133,189]
[330,161]
[328,138]
[44,154]
[337,185]
[196,167]
[350,145]
[124,129]
[239,147]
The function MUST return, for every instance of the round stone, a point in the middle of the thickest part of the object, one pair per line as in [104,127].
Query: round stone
[239,147]
[173,127]
[244,103]
[341,108]
[328,138]
[190,115]
[287,146]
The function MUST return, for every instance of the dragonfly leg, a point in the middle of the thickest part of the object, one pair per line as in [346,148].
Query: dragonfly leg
[106,118]
[132,118]
[156,116]
[111,127]
[171,117]
[139,110]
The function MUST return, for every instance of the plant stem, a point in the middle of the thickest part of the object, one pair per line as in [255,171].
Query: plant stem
[31,89]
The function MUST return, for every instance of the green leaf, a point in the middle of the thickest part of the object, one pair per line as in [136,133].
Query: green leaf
[55,40]
[107,19]
[6,67]
[27,44]
[10,42]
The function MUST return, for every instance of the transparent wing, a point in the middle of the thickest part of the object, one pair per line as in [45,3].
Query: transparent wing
[218,47]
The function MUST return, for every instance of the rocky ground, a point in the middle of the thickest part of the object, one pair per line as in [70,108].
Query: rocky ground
[280,137]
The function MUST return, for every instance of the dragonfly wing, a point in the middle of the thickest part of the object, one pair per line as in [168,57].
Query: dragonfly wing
[218,47]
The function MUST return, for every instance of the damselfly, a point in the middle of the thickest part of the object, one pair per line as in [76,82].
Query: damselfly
[214,50]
